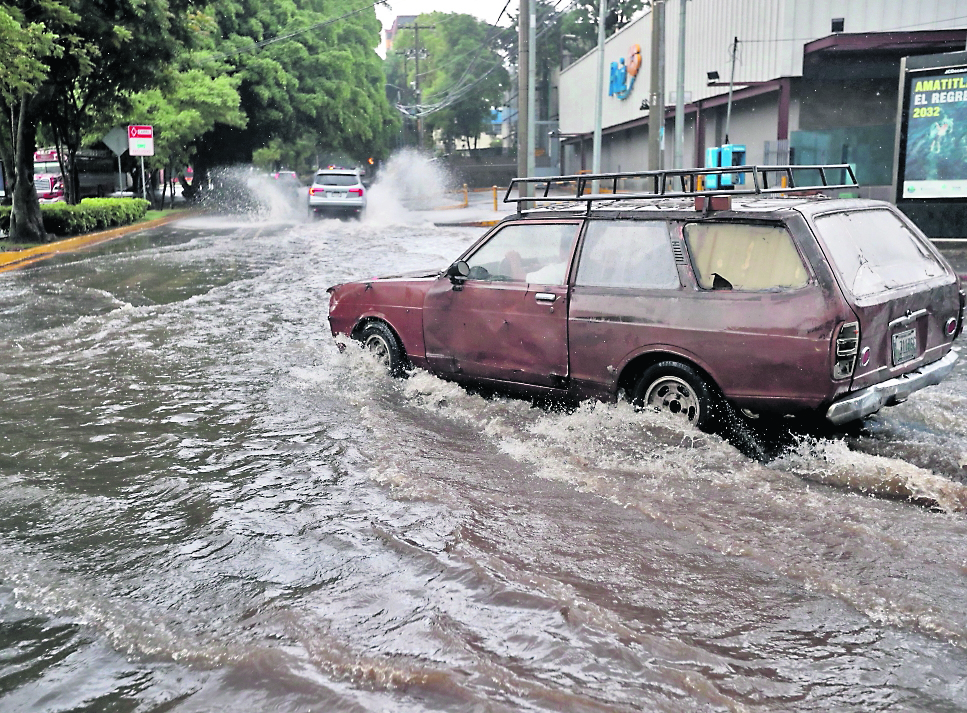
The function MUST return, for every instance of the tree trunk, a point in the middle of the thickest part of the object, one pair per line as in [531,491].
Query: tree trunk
[26,222]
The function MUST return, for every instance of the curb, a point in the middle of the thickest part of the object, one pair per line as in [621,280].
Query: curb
[468,224]
[16,259]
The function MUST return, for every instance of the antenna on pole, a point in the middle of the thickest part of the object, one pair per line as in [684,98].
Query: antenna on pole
[728,111]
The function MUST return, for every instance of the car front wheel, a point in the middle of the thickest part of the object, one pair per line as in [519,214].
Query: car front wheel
[378,339]
[675,389]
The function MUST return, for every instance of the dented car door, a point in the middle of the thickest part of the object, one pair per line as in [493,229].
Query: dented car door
[507,321]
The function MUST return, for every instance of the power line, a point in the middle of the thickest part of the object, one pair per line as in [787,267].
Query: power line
[458,89]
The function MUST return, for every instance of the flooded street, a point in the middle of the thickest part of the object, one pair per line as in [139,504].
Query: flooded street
[205,506]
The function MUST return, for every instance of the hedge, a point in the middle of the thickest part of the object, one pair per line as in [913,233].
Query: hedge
[92,214]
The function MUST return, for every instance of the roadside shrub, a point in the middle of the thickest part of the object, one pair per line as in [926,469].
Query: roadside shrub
[92,214]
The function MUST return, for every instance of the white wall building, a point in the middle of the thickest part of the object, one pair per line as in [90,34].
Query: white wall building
[815,82]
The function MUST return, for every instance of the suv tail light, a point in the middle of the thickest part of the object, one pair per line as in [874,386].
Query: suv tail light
[847,345]
[356,192]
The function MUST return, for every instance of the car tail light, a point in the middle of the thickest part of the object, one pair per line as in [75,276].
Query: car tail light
[314,191]
[847,345]
[960,315]
[356,192]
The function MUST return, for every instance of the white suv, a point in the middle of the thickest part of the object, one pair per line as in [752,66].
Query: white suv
[337,190]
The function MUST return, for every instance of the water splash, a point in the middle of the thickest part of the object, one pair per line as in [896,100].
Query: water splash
[833,463]
[410,181]
[243,190]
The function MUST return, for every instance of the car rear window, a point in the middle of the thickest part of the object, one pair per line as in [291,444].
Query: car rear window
[742,256]
[336,179]
[627,253]
[873,251]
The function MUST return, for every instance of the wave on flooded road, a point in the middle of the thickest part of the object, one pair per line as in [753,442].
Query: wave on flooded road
[205,505]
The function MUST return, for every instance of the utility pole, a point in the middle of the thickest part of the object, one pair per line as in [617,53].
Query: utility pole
[416,27]
[599,95]
[680,91]
[656,103]
[531,87]
[524,140]
[728,111]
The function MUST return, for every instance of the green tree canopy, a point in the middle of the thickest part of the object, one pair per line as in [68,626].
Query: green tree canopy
[581,22]
[462,74]
[307,70]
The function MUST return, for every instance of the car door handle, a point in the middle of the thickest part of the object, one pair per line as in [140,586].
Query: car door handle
[547,297]
[907,318]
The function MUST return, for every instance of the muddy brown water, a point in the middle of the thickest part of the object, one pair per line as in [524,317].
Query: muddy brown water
[204,506]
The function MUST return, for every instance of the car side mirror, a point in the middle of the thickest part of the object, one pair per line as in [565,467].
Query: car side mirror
[458,273]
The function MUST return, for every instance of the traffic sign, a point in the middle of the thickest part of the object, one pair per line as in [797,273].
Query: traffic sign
[117,140]
[141,140]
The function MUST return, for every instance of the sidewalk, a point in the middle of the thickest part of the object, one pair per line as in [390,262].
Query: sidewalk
[479,211]
[16,259]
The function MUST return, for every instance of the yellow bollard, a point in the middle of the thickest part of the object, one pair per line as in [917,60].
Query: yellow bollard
[466,196]
[495,199]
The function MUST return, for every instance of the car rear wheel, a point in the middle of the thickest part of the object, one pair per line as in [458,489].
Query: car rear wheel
[675,389]
[378,339]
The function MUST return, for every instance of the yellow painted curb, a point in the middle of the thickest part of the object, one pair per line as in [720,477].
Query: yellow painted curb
[15,259]
[468,224]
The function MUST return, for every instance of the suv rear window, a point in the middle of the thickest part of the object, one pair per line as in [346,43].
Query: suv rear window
[874,251]
[336,179]
[735,256]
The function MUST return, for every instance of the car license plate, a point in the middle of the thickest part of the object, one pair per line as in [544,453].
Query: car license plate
[904,346]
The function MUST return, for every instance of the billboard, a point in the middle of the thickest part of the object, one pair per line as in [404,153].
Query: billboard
[933,133]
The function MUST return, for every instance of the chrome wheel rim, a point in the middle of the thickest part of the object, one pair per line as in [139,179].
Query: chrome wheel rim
[673,396]
[379,349]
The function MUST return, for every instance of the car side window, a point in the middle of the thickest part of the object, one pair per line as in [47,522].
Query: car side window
[627,253]
[534,252]
[735,256]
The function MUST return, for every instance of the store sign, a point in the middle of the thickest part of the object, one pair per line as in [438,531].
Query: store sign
[623,74]
[936,136]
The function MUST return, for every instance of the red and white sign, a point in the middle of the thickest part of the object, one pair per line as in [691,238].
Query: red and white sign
[141,140]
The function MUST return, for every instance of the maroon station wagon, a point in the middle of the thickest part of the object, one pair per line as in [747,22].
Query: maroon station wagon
[681,300]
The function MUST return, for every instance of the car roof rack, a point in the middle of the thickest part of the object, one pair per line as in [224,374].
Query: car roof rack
[684,183]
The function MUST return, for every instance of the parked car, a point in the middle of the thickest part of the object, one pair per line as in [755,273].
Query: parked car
[694,303]
[337,191]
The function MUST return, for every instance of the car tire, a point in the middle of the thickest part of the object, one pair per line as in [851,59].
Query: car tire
[677,389]
[378,339]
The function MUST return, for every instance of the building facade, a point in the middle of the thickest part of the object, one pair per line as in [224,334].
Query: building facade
[814,82]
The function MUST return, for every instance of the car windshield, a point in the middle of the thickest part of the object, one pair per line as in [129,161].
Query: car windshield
[336,179]
[873,251]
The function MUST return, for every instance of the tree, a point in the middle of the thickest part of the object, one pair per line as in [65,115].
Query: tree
[121,47]
[93,54]
[462,75]
[323,79]
[27,43]
[581,22]
[190,104]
